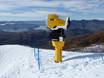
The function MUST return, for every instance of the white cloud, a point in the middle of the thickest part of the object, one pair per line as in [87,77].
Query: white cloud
[74,5]
[5,5]
[67,7]
[31,14]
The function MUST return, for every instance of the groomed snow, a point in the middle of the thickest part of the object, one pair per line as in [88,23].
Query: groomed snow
[19,62]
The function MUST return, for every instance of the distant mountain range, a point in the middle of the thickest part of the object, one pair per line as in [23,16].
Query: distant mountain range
[79,26]
[40,39]
[20,25]
[91,25]
[83,27]
[36,34]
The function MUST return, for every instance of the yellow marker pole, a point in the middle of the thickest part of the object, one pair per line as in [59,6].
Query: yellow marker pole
[58,50]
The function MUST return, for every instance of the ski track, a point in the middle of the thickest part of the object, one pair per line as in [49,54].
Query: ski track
[19,62]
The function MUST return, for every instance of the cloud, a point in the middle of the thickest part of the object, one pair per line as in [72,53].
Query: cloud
[40,8]
[73,5]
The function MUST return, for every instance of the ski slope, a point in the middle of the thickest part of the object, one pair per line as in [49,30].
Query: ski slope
[19,62]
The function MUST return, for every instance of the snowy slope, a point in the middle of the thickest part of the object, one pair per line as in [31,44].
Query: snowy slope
[19,62]
[94,48]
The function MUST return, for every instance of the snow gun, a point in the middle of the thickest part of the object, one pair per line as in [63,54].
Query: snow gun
[57,26]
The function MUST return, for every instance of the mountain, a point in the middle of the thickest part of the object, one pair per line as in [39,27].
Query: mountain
[20,25]
[81,33]
[85,40]
[41,39]
[92,25]
[81,27]
[20,62]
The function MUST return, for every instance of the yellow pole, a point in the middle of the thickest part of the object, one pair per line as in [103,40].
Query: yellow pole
[58,50]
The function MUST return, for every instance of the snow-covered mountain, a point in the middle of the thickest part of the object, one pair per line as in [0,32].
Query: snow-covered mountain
[19,62]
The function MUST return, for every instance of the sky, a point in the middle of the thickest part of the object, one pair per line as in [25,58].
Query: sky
[27,10]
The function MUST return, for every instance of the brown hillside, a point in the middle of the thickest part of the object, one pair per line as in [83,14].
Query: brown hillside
[84,41]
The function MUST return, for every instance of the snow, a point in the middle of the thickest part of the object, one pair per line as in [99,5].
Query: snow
[94,48]
[19,62]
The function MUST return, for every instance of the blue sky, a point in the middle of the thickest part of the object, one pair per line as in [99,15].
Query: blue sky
[39,9]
